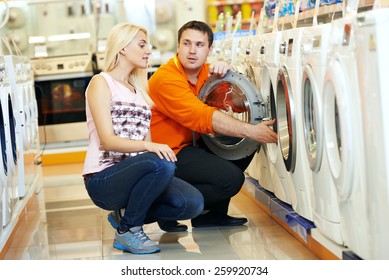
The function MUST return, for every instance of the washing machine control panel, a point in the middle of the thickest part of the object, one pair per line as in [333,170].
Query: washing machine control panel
[282,48]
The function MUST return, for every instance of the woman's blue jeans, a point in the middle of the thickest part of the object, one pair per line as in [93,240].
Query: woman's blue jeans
[144,185]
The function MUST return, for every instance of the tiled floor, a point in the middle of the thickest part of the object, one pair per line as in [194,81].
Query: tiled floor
[63,223]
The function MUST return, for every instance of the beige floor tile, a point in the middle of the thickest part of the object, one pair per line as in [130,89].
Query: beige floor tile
[63,223]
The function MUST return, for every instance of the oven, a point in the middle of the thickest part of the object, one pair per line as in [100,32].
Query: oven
[60,93]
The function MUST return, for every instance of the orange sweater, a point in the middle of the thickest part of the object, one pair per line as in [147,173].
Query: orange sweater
[178,110]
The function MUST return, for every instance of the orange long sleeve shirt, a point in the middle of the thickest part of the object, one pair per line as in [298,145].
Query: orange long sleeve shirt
[178,111]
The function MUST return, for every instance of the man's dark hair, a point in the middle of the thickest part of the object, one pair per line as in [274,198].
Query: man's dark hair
[197,25]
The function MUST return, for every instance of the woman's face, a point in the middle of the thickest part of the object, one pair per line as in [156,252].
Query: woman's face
[137,52]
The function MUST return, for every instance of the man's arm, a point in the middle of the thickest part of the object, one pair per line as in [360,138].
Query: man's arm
[227,125]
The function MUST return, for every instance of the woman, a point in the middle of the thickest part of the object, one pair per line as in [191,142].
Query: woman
[123,168]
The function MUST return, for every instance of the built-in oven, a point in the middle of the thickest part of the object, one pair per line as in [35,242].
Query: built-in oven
[60,86]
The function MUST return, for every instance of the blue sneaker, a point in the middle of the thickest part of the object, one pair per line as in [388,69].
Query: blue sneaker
[114,218]
[135,242]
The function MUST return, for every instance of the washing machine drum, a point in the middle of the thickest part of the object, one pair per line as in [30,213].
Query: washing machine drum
[236,96]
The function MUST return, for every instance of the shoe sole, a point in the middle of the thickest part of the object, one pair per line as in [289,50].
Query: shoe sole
[218,225]
[112,222]
[136,252]
[175,230]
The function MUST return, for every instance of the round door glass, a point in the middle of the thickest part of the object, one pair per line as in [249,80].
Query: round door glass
[234,95]
[310,119]
[230,100]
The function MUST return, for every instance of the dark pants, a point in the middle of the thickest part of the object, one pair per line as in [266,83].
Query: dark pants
[144,185]
[216,178]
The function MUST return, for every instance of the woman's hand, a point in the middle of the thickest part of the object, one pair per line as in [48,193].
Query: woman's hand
[162,150]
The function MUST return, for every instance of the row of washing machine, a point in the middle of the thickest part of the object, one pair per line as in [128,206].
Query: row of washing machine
[19,138]
[325,85]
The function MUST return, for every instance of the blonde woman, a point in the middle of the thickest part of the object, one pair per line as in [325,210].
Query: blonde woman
[123,168]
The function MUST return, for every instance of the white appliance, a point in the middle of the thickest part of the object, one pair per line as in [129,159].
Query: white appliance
[270,52]
[60,84]
[372,45]
[189,10]
[259,166]
[18,79]
[325,209]
[11,150]
[3,163]
[343,134]
[33,176]
[290,122]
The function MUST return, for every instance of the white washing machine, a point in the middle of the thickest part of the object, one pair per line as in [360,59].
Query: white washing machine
[230,50]
[33,105]
[11,154]
[3,158]
[290,122]
[372,45]
[3,177]
[30,129]
[271,61]
[325,209]
[22,115]
[259,166]
[343,135]
[35,148]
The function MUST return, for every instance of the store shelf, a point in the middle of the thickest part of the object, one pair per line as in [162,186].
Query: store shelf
[246,7]
[325,13]
[230,2]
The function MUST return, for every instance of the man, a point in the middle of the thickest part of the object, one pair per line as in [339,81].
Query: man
[174,88]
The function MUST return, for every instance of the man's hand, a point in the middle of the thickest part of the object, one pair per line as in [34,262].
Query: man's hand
[219,68]
[263,133]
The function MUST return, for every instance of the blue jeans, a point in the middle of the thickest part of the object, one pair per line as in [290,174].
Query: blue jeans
[145,187]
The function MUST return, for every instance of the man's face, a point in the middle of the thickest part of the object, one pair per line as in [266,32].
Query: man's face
[193,49]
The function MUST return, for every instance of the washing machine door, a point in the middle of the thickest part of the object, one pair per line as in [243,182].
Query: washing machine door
[234,95]
[287,129]
[12,128]
[312,119]
[268,88]
[338,126]
[3,140]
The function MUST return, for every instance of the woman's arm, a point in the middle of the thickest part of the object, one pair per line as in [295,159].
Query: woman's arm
[99,100]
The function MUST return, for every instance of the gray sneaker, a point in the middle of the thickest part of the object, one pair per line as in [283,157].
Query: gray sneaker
[135,242]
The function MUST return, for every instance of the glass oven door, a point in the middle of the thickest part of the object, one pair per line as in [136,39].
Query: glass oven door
[61,107]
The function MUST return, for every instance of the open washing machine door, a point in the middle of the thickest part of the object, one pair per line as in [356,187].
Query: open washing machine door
[236,96]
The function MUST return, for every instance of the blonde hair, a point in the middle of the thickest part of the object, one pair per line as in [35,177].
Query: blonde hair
[119,37]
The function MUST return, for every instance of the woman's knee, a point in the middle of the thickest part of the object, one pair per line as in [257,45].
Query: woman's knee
[162,166]
[185,197]
[195,204]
